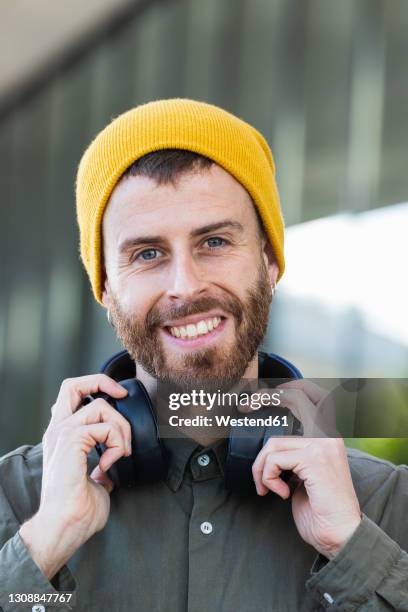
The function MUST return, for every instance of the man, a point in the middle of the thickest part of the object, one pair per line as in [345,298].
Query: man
[182,238]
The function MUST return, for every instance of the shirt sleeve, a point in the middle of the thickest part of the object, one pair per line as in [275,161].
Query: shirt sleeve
[370,573]
[19,574]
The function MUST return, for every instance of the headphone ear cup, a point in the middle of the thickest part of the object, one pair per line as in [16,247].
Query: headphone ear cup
[148,462]
[244,445]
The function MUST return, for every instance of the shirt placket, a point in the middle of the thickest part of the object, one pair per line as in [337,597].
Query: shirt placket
[205,528]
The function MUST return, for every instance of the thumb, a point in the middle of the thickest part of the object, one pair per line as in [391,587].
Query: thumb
[102,478]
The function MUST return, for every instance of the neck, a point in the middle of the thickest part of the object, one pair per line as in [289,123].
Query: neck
[200,435]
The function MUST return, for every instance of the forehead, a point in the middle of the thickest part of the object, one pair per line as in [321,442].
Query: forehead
[205,196]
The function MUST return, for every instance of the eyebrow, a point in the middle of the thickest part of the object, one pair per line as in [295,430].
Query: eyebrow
[133,242]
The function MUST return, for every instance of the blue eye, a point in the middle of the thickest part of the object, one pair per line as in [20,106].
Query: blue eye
[215,242]
[148,254]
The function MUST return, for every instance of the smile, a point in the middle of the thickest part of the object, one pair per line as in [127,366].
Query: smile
[193,335]
[192,330]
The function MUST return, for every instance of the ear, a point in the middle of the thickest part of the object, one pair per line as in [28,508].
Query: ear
[270,261]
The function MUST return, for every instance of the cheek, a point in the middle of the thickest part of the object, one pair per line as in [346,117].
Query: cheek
[138,297]
[240,272]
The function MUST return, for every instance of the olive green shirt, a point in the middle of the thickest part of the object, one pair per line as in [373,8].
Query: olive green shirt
[189,545]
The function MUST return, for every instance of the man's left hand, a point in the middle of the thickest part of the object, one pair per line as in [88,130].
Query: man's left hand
[324,504]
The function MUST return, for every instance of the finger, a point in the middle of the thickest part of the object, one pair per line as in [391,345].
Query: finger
[74,390]
[258,470]
[100,411]
[103,479]
[277,485]
[282,443]
[299,404]
[108,434]
[313,391]
[318,420]
[275,444]
[274,465]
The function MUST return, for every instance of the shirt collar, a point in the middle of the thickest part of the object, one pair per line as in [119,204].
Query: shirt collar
[182,449]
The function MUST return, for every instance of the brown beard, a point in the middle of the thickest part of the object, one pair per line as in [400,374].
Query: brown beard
[214,367]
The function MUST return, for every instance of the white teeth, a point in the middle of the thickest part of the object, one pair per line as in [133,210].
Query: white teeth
[192,330]
[202,327]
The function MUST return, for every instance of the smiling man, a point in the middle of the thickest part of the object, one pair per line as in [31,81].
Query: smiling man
[190,298]
[181,235]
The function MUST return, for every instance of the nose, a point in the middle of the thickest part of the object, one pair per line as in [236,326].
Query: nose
[186,281]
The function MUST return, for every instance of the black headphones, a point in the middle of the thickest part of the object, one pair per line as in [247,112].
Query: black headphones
[149,462]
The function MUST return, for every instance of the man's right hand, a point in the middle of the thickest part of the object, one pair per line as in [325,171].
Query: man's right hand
[73,505]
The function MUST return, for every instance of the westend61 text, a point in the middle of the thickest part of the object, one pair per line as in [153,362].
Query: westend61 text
[227,421]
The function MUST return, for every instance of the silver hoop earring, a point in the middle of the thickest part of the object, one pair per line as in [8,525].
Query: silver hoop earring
[273,290]
[108,316]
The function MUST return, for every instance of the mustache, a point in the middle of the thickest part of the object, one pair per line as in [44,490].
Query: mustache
[157,317]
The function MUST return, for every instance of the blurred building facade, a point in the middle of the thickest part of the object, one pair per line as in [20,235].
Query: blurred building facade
[325,82]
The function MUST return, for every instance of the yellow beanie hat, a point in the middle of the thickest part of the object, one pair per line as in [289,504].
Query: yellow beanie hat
[173,124]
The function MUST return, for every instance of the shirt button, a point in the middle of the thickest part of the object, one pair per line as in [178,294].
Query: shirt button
[203,460]
[206,527]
